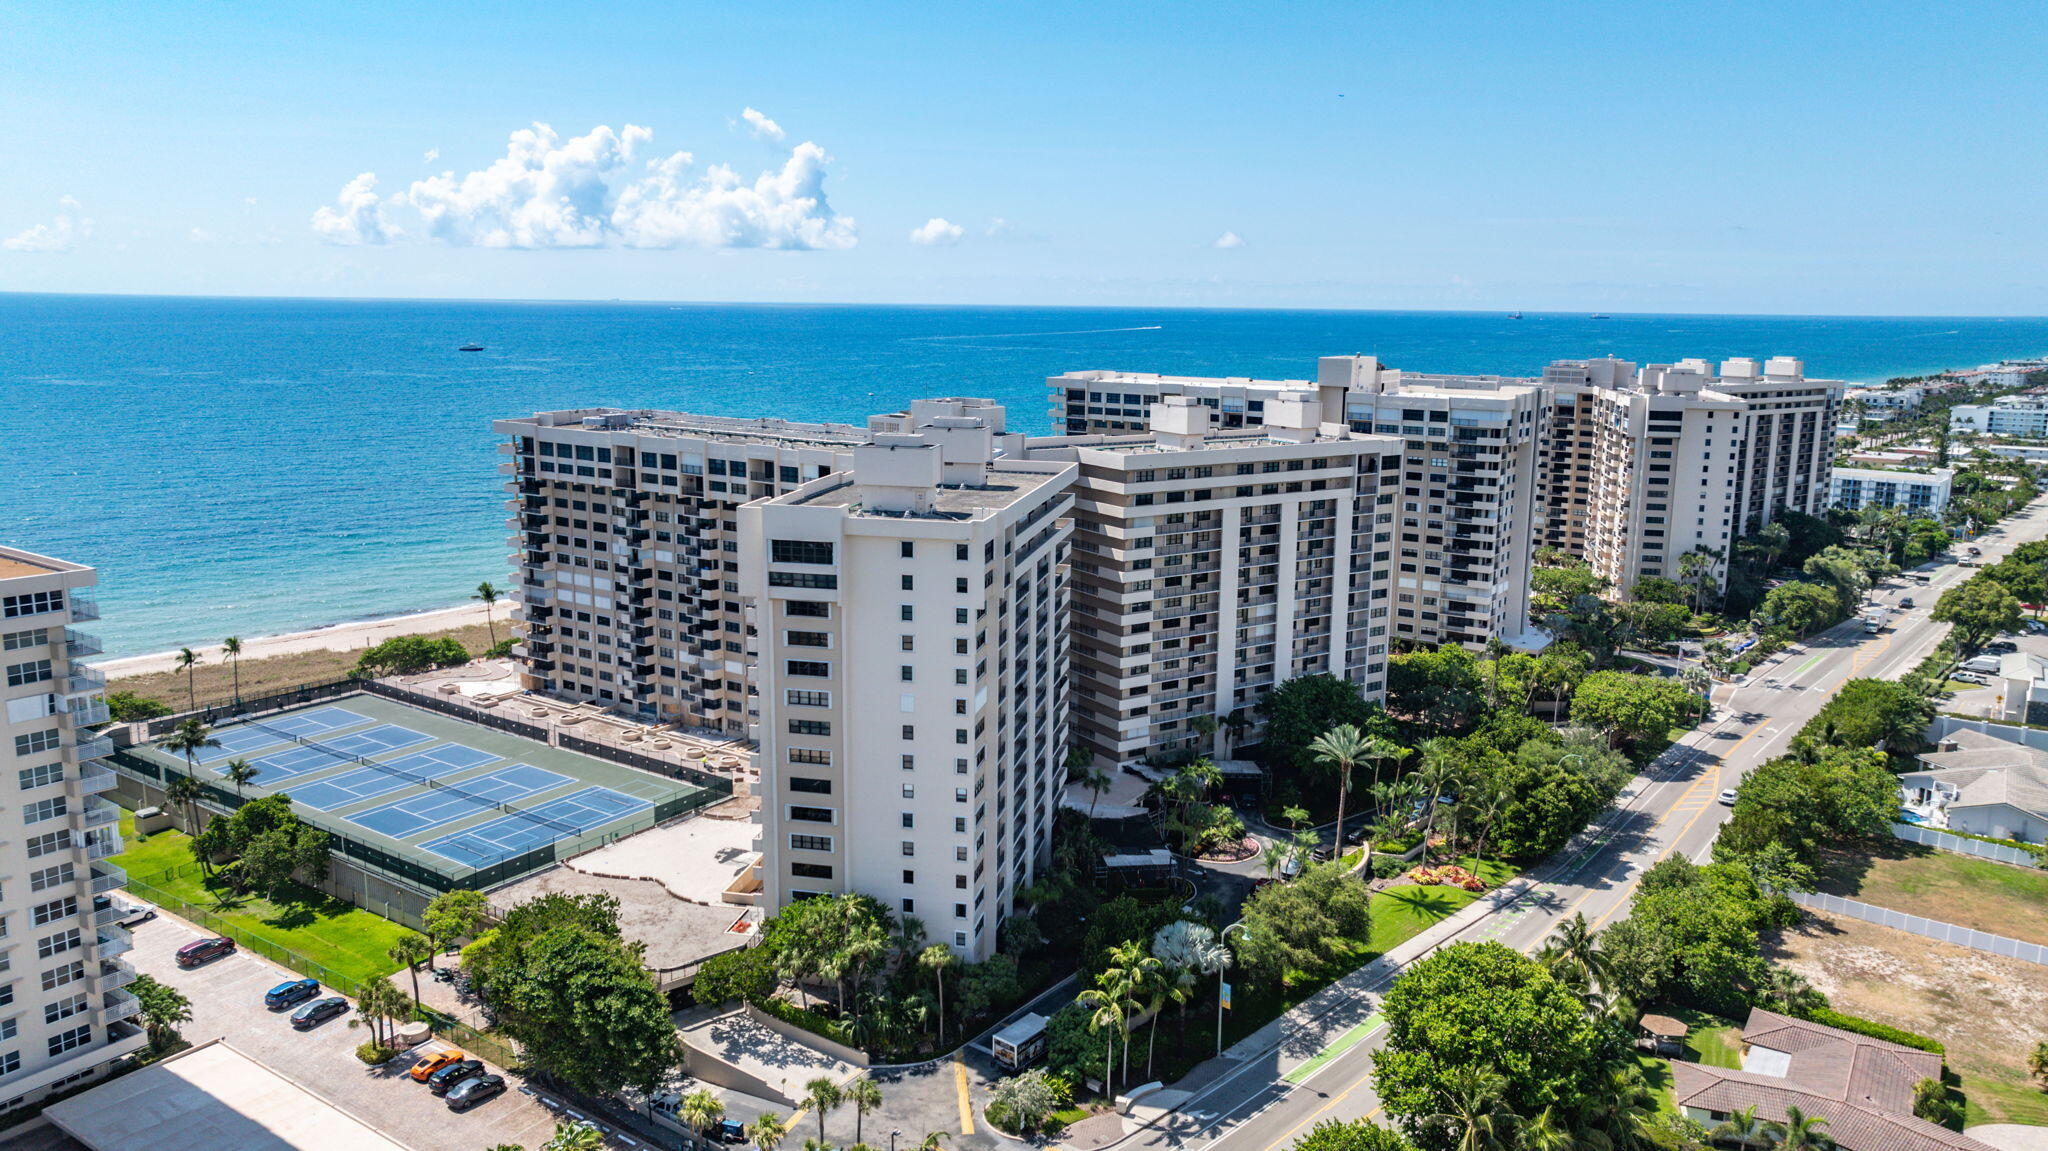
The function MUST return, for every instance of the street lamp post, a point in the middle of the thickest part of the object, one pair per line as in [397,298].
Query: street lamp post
[893,1133]
[1224,940]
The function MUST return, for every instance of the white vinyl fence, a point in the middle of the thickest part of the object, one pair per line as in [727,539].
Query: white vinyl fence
[1964,845]
[1930,928]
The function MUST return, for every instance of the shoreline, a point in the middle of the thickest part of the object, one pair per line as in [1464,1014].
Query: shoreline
[351,636]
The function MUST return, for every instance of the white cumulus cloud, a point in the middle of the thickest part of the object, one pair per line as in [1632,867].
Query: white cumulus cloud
[1228,240]
[356,216]
[763,127]
[936,232]
[70,226]
[601,189]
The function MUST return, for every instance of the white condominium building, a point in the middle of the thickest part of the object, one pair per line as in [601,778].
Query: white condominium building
[625,536]
[1915,493]
[1210,564]
[64,1016]
[1463,508]
[2024,416]
[912,612]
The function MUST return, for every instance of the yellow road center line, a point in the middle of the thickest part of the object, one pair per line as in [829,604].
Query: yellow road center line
[966,1107]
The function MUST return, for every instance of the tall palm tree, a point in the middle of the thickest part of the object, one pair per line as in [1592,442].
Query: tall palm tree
[1340,748]
[766,1132]
[1576,946]
[821,1095]
[489,593]
[183,790]
[188,739]
[936,959]
[1096,781]
[1473,1114]
[1108,1016]
[232,648]
[932,1141]
[1547,1133]
[412,949]
[700,1110]
[238,772]
[1799,1132]
[1235,724]
[188,660]
[865,1097]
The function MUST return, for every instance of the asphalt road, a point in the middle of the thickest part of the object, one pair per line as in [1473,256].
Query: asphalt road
[1263,1106]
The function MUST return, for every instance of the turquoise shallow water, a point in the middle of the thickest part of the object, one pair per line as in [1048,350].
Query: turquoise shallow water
[256,466]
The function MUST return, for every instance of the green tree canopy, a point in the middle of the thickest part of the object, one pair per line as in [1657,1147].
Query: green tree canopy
[1980,609]
[1300,709]
[1869,711]
[1630,707]
[1304,924]
[1440,690]
[1356,1135]
[1847,793]
[1803,608]
[1691,936]
[1482,1005]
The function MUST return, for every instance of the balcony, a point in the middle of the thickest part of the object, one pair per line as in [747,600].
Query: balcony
[119,1005]
[102,845]
[86,712]
[113,976]
[95,780]
[106,877]
[97,814]
[107,917]
[78,644]
[115,941]
[83,680]
[90,747]
[84,608]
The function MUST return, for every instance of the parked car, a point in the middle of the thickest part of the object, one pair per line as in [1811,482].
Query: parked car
[130,911]
[205,950]
[440,1081]
[1969,677]
[477,1088]
[730,1131]
[294,991]
[1727,797]
[1906,601]
[319,1011]
[1976,551]
[1323,854]
[1983,664]
[1291,866]
[2036,626]
[2001,646]
[434,1062]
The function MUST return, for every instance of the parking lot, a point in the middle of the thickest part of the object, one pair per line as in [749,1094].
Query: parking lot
[227,1001]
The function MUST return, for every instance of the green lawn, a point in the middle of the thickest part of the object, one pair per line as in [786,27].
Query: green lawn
[1657,1074]
[2007,1096]
[2000,898]
[1714,1041]
[315,934]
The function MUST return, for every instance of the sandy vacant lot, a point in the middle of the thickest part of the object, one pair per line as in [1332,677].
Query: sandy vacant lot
[1988,1010]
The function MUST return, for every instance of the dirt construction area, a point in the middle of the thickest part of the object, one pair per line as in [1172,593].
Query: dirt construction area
[1988,1010]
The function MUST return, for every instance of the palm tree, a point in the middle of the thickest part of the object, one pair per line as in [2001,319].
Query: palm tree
[187,661]
[1109,1016]
[1133,971]
[232,648]
[1793,995]
[817,1145]
[865,1097]
[1546,1133]
[932,1141]
[1473,1114]
[239,772]
[766,1132]
[936,959]
[1096,781]
[1741,1127]
[412,949]
[1273,856]
[183,790]
[1340,748]
[489,593]
[1235,724]
[379,1002]
[1485,810]
[1574,945]
[574,1137]
[1295,817]
[700,1110]
[822,1095]
[1799,1132]
[188,739]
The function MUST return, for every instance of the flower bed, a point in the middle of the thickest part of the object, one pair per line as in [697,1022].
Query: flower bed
[1449,875]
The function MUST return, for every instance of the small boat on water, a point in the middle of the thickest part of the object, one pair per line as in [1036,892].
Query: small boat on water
[470,348]
[1514,315]
[1599,316]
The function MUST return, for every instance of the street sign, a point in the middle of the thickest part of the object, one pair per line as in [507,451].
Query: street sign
[1226,997]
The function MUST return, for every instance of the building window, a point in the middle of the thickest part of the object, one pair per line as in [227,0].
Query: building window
[818,609]
[37,741]
[811,755]
[34,671]
[810,639]
[811,814]
[34,603]
[59,876]
[909,584]
[63,1008]
[809,667]
[44,809]
[811,870]
[799,552]
[906,672]
[70,1040]
[54,910]
[909,847]
[906,549]
[43,776]
[810,843]
[59,976]
[909,731]
[910,763]
[909,820]
[817,581]
[57,944]
[811,785]
[41,845]
[796,698]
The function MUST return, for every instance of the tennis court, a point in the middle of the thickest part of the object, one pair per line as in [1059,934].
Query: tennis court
[385,774]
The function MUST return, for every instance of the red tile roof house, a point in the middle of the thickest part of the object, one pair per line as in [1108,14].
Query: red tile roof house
[1863,1087]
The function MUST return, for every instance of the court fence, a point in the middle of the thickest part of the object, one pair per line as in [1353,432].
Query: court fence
[222,710]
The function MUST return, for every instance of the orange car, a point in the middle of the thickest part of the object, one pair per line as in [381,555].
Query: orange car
[435,1062]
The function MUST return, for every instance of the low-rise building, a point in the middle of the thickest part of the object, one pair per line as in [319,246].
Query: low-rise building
[1916,493]
[1977,783]
[2025,416]
[1862,1087]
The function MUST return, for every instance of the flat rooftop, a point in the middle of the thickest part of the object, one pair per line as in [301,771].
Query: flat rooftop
[1005,486]
[15,563]
[211,1098]
[430,792]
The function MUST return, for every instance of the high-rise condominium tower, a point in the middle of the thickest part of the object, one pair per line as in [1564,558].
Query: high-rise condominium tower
[64,1017]
[913,721]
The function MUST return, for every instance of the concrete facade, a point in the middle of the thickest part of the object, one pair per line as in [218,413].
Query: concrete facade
[65,1017]
[1916,493]
[2025,416]
[913,671]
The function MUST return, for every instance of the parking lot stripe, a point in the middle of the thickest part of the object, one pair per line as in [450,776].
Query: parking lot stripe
[966,1107]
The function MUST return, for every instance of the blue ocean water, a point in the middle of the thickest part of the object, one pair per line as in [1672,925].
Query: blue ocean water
[250,466]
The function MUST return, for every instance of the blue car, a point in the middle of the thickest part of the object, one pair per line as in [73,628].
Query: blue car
[286,994]
[730,1131]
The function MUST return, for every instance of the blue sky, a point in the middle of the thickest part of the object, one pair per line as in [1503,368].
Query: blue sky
[1814,158]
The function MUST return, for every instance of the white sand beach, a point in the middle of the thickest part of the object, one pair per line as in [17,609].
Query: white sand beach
[336,637]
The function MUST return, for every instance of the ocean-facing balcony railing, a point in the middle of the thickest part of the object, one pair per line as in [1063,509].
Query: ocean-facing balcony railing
[84,608]
[78,644]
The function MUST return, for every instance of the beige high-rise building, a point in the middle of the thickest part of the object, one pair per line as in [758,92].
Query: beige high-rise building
[1210,564]
[625,530]
[1463,510]
[1644,465]
[64,1016]
[912,612]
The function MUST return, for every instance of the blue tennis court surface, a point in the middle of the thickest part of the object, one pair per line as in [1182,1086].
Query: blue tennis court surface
[319,721]
[377,740]
[235,741]
[238,741]
[389,776]
[487,843]
[416,813]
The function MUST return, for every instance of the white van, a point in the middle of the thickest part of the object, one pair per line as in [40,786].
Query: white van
[1983,664]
